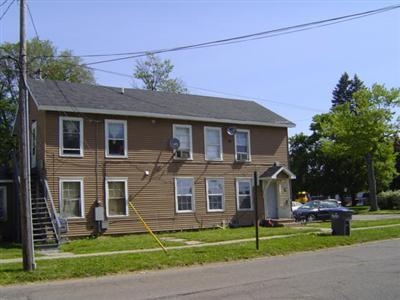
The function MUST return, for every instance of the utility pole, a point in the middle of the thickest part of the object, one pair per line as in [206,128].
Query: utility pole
[24,155]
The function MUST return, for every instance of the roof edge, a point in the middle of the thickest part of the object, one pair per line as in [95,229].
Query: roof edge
[287,124]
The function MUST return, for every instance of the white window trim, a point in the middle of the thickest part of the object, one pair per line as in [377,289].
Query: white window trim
[206,143]
[82,202]
[3,189]
[223,195]
[174,126]
[117,179]
[248,144]
[176,196]
[250,181]
[61,139]
[125,123]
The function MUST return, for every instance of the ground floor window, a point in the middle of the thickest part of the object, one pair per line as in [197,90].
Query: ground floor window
[3,204]
[244,197]
[117,197]
[215,194]
[184,195]
[71,198]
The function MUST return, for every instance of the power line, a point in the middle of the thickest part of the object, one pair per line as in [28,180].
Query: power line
[245,38]
[222,93]
[33,22]
[4,2]
[7,9]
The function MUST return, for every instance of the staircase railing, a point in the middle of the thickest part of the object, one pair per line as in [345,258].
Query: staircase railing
[55,220]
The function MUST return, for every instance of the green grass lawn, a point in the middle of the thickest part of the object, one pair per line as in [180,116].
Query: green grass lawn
[9,250]
[121,263]
[145,241]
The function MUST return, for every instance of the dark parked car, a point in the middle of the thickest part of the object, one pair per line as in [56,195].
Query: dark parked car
[317,210]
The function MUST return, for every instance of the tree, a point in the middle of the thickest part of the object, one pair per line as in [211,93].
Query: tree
[321,173]
[364,130]
[43,60]
[155,73]
[344,90]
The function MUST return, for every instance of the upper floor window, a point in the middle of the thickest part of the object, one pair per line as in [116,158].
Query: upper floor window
[117,197]
[215,194]
[212,143]
[184,196]
[184,134]
[242,145]
[71,198]
[116,138]
[244,195]
[71,136]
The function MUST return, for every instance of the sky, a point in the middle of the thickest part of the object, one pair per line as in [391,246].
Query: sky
[292,74]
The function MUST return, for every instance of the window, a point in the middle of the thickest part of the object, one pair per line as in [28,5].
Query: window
[244,196]
[215,194]
[184,195]
[3,204]
[212,143]
[242,145]
[33,144]
[71,198]
[117,197]
[184,134]
[116,138]
[71,136]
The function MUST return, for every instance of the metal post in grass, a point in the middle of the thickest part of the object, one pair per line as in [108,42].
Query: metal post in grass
[256,208]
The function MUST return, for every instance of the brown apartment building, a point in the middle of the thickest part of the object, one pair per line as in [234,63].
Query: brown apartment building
[184,161]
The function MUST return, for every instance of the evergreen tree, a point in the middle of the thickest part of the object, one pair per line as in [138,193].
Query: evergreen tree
[344,90]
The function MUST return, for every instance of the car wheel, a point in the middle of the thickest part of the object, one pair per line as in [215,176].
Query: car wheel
[311,218]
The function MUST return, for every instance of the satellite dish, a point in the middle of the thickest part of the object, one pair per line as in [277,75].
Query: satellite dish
[174,143]
[231,130]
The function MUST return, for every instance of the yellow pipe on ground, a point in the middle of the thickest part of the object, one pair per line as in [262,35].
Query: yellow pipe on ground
[147,227]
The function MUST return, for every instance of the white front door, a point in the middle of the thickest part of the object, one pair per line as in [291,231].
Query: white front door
[270,200]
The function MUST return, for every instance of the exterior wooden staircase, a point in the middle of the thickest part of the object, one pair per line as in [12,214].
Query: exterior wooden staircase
[45,222]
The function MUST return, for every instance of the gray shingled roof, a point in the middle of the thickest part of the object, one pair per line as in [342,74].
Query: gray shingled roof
[84,98]
[273,172]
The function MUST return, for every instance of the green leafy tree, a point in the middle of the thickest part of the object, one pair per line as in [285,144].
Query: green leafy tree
[321,173]
[43,60]
[364,129]
[155,75]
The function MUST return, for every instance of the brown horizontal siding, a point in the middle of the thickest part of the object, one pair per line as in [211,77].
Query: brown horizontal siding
[154,195]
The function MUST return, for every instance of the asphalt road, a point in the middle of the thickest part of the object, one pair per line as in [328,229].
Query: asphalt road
[369,271]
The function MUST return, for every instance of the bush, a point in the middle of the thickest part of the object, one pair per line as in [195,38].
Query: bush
[389,200]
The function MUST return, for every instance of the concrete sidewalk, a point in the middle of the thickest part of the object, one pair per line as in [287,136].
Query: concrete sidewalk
[375,217]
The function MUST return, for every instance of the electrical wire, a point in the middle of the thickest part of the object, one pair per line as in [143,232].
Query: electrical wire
[7,9]
[33,22]
[4,2]
[221,92]
[248,37]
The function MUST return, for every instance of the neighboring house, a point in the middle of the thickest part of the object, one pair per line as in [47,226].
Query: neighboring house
[184,161]
[8,207]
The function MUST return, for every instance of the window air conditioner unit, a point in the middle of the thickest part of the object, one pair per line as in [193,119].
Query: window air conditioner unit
[182,154]
[242,157]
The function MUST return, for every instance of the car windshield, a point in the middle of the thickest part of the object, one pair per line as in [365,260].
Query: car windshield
[329,204]
[311,204]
